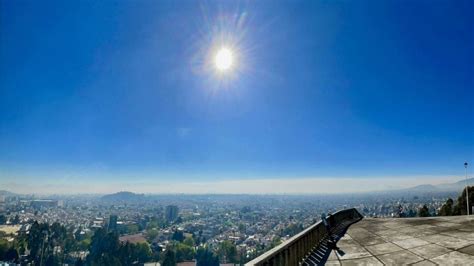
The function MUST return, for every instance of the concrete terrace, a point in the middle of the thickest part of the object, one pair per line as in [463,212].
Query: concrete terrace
[407,241]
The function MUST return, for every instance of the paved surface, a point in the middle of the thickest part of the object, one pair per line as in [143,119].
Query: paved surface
[407,241]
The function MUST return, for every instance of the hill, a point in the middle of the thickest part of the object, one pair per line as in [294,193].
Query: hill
[124,196]
[456,186]
[7,193]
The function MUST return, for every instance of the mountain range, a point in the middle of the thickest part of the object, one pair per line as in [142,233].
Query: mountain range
[456,186]
[446,187]
[7,193]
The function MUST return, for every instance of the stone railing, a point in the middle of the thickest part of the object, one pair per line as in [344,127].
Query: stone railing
[294,250]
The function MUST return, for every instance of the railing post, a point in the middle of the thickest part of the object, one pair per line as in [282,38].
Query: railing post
[292,254]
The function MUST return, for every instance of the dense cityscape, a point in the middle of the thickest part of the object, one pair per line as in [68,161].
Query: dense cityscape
[170,229]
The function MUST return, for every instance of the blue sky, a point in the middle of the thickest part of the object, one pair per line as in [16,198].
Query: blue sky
[123,91]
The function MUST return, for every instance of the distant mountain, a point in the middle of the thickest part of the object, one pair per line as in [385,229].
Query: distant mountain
[457,186]
[124,196]
[7,193]
[470,181]
[424,187]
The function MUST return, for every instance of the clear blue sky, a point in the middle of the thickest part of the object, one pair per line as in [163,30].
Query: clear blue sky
[324,88]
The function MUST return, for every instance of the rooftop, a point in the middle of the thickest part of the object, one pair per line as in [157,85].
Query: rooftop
[414,241]
[133,239]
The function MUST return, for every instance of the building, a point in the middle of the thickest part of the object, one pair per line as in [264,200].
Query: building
[133,239]
[38,204]
[98,223]
[171,213]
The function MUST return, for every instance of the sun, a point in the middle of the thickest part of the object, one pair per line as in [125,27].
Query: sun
[224,59]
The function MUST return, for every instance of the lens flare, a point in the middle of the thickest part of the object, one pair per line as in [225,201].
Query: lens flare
[224,59]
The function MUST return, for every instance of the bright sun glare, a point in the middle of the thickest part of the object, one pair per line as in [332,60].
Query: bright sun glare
[224,59]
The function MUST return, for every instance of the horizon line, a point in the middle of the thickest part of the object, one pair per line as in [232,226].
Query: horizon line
[276,186]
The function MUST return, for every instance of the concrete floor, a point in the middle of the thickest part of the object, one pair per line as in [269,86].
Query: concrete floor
[407,241]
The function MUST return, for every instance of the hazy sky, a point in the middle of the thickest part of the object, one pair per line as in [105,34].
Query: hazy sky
[111,93]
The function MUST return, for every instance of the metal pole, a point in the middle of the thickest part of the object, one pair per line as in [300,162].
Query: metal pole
[467,191]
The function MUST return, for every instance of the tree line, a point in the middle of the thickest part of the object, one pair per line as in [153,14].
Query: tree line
[460,208]
[449,208]
[56,244]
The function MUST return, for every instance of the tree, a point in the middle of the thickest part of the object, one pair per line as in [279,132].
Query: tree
[178,236]
[461,208]
[189,241]
[293,229]
[447,208]
[205,257]
[241,227]
[169,258]
[43,241]
[52,260]
[11,254]
[184,252]
[106,259]
[77,235]
[124,254]
[79,262]
[7,251]
[227,251]
[4,246]
[134,253]
[3,219]
[151,234]
[132,229]
[275,242]
[411,213]
[141,253]
[156,222]
[37,242]
[424,211]
[16,220]
[104,248]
